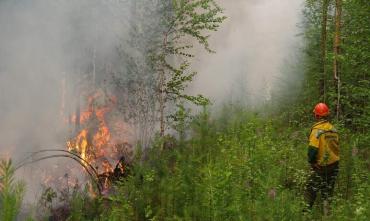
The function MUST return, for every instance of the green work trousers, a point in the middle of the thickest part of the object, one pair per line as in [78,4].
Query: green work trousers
[321,180]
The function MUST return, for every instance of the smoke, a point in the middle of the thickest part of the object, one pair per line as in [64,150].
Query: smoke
[43,43]
[256,48]
[49,47]
[46,49]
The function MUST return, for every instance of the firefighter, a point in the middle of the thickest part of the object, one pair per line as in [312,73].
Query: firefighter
[323,156]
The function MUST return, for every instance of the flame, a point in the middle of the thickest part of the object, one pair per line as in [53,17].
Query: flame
[84,117]
[82,143]
[91,142]
[79,144]
[94,141]
[102,137]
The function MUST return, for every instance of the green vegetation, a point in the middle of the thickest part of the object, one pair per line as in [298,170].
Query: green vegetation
[242,167]
[11,193]
[185,22]
[236,166]
[239,164]
[354,56]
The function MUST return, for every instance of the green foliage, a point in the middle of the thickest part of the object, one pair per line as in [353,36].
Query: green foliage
[83,207]
[242,171]
[238,166]
[11,192]
[354,62]
[233,166]
[185,22]
[353,183]
[156,59]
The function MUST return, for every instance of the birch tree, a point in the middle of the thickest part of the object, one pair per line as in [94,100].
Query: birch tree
[186,21]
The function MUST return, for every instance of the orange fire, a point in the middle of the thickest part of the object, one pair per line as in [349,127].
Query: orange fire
[91,143]
[99,141]
[102,137]
[79,144]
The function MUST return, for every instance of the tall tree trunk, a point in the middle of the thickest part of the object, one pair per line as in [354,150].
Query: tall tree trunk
[161,102]
[324,21]
[337,44]
[162,92]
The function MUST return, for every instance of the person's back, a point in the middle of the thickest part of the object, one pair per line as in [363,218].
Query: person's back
[324,138]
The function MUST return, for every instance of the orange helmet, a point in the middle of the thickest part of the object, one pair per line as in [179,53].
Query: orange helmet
[321,110]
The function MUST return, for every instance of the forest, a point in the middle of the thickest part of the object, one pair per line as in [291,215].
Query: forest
[181,109]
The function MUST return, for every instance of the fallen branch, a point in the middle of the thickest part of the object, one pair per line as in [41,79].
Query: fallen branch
[74,157]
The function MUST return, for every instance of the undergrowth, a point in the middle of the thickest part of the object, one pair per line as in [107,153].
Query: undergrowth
[239,166]
[233,166]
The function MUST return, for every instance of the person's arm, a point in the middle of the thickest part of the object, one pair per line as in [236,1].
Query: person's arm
[313,147]
[312,154]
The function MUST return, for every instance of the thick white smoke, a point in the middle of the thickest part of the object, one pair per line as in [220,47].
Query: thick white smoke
[254,46]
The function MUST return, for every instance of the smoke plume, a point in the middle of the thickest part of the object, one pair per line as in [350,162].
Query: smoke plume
[255,47]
